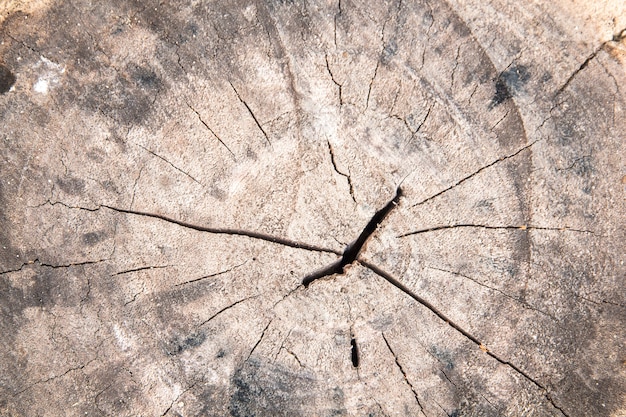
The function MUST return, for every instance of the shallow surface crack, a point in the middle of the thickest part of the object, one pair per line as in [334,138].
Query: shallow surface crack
[618,37]
[478,171]
[141,268]
[171,164]
[332,77]
[490,227]
[406,379]
[211,275]
[251,114]
[522,302]
[259,341]
[228,307]
[177,398]
[211,130]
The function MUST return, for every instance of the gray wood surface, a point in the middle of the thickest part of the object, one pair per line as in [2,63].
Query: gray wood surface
[183,186]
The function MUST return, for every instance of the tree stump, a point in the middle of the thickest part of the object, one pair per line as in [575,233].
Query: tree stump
[312,208]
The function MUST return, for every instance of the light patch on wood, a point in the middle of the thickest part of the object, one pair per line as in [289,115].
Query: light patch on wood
[25,6]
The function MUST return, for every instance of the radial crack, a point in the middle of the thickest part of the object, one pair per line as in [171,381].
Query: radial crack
[616,38]
[462,180]
[228,307]
[211,275]
[142,268]
[43,381]
[489,227]
[259,341]
[251,114]
[406,379]
[393,281]
[227,231]
[211,130]
[171,164]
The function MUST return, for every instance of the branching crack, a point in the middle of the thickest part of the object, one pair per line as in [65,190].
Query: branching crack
[171,164]
[352,250]
[396,283]
[489,227]
[347,176]
[211,130]
[227,231]
[406,379]
[332,77]
[478,171]
[251,114]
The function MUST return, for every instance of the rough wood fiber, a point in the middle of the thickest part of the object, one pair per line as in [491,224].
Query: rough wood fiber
[172,171]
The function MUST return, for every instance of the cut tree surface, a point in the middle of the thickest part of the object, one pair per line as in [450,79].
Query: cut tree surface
[312,208]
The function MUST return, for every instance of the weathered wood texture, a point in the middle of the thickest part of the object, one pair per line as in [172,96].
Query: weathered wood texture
[172,171]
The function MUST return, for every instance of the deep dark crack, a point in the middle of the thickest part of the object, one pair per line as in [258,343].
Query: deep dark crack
[352,250]
[354,354]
